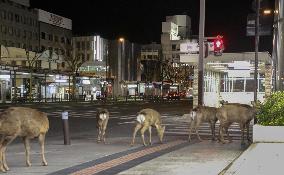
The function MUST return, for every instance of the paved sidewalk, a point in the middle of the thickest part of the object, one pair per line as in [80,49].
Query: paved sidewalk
[259,159]
[202,158]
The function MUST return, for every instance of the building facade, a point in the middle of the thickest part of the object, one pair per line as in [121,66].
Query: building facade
[124,65]
[151,57]
[55,36]
[176,29]
[278,44]
[93,50]
[18,26]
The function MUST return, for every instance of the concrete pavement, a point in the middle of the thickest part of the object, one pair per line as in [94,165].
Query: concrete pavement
[205,157]
[259,159]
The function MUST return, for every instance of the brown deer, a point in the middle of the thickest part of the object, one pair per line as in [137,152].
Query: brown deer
[147,118]
[24,122]
[202,114]
[102,120]
[234,112]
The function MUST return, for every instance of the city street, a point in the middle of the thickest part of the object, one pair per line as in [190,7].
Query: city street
[84,147]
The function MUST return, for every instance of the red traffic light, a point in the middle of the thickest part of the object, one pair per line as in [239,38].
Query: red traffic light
[218,45]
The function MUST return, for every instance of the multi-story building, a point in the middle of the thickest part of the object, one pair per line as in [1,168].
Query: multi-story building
[93,52]
[25,34]
[18,25]
[151,56]
[55,35]
[124,65]
[176,29]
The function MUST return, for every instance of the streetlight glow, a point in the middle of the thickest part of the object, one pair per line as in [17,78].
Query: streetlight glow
[121,39]
[267,12]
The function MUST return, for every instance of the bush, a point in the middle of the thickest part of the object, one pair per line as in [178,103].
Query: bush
[272,111]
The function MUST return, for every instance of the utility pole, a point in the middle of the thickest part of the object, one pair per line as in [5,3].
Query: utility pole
[256,50]
[201,52]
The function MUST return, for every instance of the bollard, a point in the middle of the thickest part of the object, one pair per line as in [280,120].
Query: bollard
[65,123]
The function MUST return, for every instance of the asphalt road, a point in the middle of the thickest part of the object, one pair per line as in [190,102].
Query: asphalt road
[82,121]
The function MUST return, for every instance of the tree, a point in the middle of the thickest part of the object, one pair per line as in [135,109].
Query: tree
[74,63]
[31,63]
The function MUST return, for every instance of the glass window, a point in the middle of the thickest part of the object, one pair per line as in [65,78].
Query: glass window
[83,45]
[23,63]
[62,40]
[42,48]
[88,45]
[78,45]
[42,35]
[10,16]
[50,37]
[17,18]
[56,38]
[10,30]
[3,29]
[3,14]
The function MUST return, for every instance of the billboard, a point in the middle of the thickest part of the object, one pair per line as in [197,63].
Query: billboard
[54,19]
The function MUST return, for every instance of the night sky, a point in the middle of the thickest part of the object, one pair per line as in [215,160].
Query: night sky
[140,21]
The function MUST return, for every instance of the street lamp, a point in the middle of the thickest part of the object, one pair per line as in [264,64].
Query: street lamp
[121,40]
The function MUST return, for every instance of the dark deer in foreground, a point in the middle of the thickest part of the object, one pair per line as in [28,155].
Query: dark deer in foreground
[202,114]
[146,119]
[102,120]
[239,113]
[23,122]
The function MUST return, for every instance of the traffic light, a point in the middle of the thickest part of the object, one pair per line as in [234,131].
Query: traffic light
[218,45]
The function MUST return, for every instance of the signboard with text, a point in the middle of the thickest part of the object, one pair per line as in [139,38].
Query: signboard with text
[54,19]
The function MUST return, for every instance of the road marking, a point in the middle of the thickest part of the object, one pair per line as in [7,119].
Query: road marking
[118,162]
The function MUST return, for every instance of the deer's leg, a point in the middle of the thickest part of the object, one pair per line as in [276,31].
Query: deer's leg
[144,128]
[41,139]
[198,122]
[212,126]
[5,140]
[27,149]
[226,128]
[150,135]
[190,129]
[242,127]
[137,127]
[104,132]
[1,155]
[221,129]
[4,160]
[99,134]
[247,126]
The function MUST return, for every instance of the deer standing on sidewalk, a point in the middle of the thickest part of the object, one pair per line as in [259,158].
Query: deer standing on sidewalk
[24,122]
[102,120]
[146,119]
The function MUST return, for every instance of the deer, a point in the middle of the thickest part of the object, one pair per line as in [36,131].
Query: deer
[145,120]
[239,113]
[26,123]
[202,114]
[102,120]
